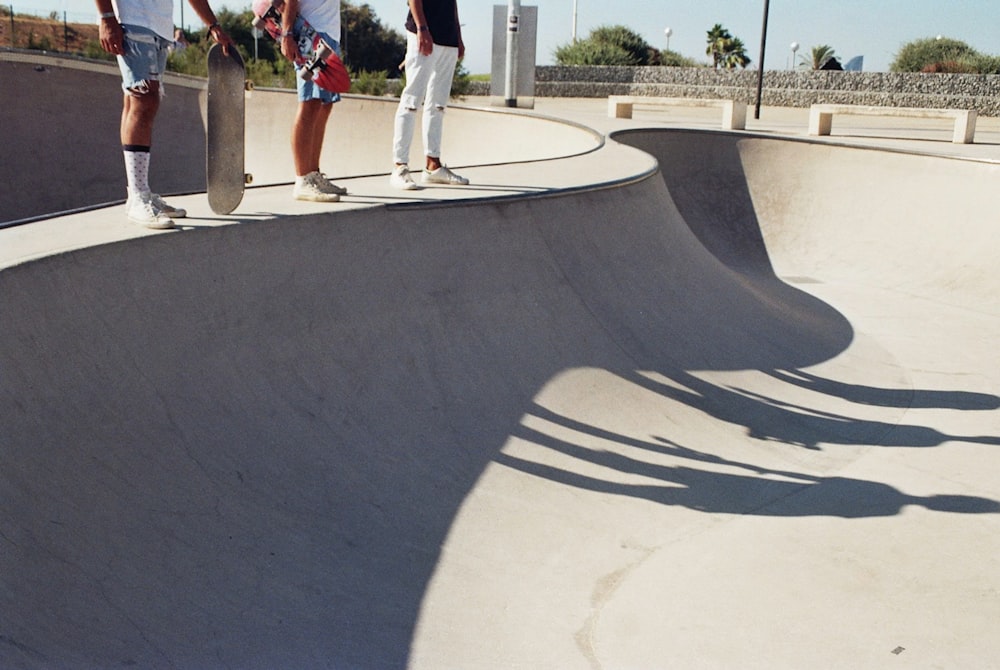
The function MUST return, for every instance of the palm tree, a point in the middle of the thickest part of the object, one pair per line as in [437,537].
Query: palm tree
[736,54]
[718,38]
[817,58]
[726,51]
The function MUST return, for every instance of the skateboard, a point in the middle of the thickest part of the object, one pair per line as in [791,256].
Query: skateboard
[319,62]
[225,136]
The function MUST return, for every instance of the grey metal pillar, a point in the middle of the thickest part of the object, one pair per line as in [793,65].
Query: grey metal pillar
[510,86]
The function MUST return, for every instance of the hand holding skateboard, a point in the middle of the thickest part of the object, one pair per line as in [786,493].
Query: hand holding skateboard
[317,60]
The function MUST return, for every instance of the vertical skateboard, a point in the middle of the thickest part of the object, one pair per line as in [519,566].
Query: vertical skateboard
[225,137]
[319,62]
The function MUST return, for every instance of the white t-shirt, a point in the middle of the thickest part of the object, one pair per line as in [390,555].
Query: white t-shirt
[157,15]
[323,15]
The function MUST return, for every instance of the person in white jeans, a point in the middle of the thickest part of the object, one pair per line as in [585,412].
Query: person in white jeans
[433,47]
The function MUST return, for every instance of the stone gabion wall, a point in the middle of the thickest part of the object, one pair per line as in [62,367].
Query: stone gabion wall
[781,88]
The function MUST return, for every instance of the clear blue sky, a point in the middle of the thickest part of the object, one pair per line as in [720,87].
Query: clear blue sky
[873,28]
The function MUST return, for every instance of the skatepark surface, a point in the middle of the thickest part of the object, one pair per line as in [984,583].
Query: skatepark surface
[645,395]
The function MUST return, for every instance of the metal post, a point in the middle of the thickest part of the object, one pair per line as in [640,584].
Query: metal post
[510,85]
[760,65]
[65,33]
[574,20]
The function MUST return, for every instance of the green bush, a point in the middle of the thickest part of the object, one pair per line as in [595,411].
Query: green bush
[607,45]
[192,60]
[92,49]
[36,43]
[623,38]
[593,53]
[673,59]
[917,55]
[985,64]
[368,83]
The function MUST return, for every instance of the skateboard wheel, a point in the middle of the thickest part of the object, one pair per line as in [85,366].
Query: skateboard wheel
[247,178]
[248,85]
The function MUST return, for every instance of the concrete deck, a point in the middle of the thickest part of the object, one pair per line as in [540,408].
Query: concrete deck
[652,396]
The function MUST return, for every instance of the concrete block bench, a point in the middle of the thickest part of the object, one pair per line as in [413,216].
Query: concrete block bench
[734,114]
[821,117]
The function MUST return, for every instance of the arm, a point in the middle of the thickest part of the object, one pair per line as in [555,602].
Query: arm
[205,13]
[111,36]
[458,27]
[423,32]
[288,44]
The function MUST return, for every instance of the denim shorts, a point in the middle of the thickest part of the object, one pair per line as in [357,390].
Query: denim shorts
[144,60]
[310,91]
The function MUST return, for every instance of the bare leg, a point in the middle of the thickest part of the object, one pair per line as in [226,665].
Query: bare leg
[308,133]
[138,112]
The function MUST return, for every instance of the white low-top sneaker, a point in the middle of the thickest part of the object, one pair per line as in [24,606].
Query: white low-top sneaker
[401,178]
[444,176]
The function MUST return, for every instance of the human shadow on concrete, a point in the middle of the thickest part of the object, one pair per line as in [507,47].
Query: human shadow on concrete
[245,446]
[744,494]
[889,397]
[698,484]
[766,418]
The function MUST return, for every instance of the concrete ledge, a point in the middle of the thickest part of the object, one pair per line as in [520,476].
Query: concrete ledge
[734,113]
[821,118]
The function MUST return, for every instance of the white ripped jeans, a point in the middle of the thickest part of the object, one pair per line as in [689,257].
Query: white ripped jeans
[428,78]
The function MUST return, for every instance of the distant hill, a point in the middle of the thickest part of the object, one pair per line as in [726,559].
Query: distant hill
[31,32]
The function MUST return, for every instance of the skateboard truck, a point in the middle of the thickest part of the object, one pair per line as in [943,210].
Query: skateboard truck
[316,62]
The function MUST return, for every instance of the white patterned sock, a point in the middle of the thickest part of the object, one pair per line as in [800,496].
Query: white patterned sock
[137,168]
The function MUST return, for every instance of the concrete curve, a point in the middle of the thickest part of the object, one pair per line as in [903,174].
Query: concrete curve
[727,415]
[70,107]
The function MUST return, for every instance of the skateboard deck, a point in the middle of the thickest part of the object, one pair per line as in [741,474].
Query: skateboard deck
[225,136]
[319,62]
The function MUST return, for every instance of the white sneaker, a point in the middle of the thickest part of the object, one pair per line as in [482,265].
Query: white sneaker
[401,179]
[339,190]
[316,188]
[444,176]
[159,204]
[141,210]
[169,210]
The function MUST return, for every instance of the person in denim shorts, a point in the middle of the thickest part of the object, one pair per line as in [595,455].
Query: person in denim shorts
[139,33]
[315,103]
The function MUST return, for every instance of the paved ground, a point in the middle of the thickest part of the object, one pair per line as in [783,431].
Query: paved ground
[737,407]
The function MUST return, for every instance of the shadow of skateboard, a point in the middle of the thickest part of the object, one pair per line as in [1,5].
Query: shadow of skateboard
[225,133]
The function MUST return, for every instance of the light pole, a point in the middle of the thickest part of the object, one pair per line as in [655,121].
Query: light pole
[795,49]
[760,65]
[668,31]
[574,20]
[510,84]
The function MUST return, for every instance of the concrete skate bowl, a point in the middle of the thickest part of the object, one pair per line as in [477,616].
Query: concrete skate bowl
[572,431]
[70,108]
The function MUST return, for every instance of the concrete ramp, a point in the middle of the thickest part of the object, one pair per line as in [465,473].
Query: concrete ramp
[708,419]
